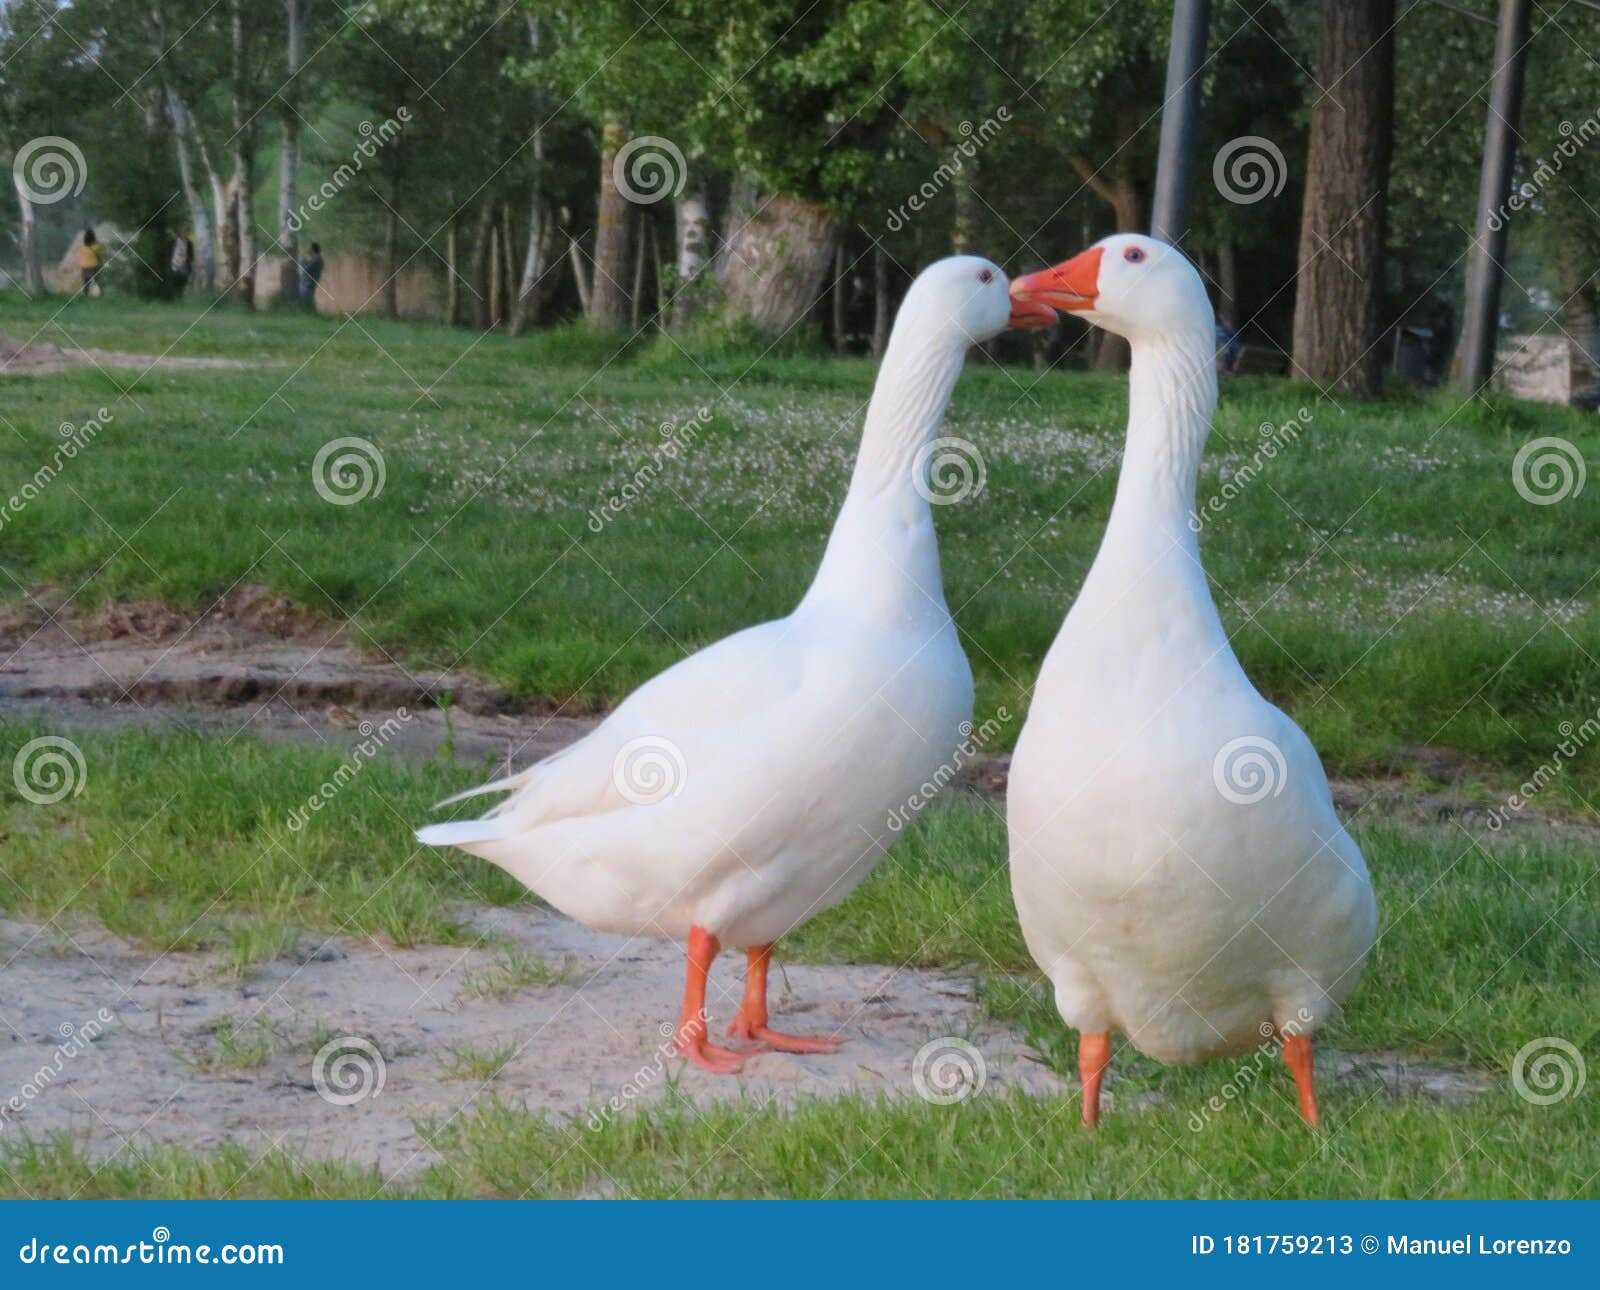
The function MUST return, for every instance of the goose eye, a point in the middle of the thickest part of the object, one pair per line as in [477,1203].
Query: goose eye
[1133,255]
[985,275]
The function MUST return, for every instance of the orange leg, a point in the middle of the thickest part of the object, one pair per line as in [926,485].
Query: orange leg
[1094,1055]
[690,1039]
[751,1020]
[1297,1057]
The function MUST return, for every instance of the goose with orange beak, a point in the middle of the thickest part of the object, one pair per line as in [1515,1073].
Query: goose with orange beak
[1178,868]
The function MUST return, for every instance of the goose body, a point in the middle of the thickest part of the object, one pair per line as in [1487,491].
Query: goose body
[1178,868]
[751,785]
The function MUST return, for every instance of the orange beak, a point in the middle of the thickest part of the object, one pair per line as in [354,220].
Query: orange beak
[1072,285]
[1030,313]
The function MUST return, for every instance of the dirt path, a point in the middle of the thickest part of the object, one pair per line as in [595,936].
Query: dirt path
[117,1045]
[158,1069]
[254,664]
[121,1048]
[19,358]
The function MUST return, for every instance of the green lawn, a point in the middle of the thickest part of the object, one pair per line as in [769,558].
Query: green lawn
[1385,583]
[1382,577]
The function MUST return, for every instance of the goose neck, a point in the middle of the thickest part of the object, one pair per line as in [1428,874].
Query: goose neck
[1172,393]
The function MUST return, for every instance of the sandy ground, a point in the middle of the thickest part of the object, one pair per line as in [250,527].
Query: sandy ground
[18,358]
[121,1048]
[599,1032]
[152,1066]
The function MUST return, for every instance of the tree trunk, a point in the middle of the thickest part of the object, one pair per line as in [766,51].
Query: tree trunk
[244,162]
[289,157]
[964,229]
[452,265]
[608,297]
[482,286]
[1580,320]
[694,230]
[1228,283]
[1337,297]
[225,203]
[839,302]
[525,309]
[882,315]
[777,264]
[203,274]
[391,258]
[1123,195]
[28,236]
[504,293]
[638,272]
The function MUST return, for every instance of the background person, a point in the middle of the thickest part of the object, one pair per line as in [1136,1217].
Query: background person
[90,257]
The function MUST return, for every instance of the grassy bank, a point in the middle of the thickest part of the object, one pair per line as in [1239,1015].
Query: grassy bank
[1381,575]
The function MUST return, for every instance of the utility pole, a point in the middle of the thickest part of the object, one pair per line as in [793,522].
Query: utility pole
[1180,119]
[1481,307]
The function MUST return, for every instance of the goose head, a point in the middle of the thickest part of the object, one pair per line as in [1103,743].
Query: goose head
[965,299]
[1129,284]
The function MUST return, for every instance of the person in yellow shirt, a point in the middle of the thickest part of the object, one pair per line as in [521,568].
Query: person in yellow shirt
[91,255]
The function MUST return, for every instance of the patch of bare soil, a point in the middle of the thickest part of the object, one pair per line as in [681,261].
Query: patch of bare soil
[20,358]
[121,1048]
[253,663]
[164,1067]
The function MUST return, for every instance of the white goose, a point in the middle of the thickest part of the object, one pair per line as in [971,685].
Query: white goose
[1178,868]
[749,786]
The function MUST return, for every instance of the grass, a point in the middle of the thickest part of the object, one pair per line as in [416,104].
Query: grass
[475,1065]
[990,1147]
[1380,575]
[518,969]
[1487,943]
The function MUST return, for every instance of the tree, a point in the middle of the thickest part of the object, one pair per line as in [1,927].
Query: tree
[1336,317]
